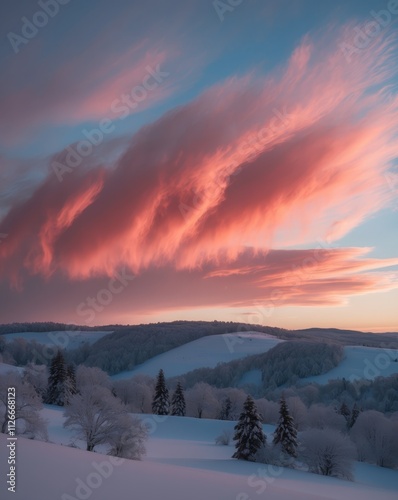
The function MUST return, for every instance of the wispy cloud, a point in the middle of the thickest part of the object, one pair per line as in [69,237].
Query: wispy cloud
[195,189]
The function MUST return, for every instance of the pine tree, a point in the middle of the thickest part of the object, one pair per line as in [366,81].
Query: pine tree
[345,411]
[160,403]
[70,383]
[249,435]
[178,402]
[354,415]
[56,381]
[286,434]
[225,413]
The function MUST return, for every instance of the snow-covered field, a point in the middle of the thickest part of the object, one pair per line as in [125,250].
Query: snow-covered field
[204,352]
[361,363]
[182,463]
[64,339]
[5,368]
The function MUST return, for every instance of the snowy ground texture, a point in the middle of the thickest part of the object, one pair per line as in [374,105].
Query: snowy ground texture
[182,463]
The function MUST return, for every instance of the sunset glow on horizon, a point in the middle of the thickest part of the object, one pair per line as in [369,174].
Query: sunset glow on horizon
[201,162]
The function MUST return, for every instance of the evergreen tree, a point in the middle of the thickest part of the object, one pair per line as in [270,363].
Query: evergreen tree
[286,434]
[178,402]
[345,411]
[70,383]
[56,381]
[354,415]
[225,413]
[249,435]
[160,402]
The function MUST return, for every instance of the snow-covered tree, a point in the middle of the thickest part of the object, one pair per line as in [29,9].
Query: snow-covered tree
[325,417]
[201,401]
[376,438]
[70,383]
[94,414]
[285,433]
[178,402]
[327,452]
[249,435]
[224,438]
[128,438]
[27,406]
[37,375]
[160,402]
[345,411]
[56,381]
[136,393]
[226,409]
[354,415]
[298,411]
[90,376]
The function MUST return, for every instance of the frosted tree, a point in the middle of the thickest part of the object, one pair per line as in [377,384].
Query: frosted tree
[27,406]
[376,438]
[160,402]
[128,438]
[136,393]
[328,452]
[249,435]
[201,401]
[178,402]
[56,381]
[285,433]
[90,376]
[94,415]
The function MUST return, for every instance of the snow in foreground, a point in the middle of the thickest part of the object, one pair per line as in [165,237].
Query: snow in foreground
[182,463]
[204,352]
[49,472]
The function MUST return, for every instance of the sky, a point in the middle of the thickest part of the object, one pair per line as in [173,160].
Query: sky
[205,160]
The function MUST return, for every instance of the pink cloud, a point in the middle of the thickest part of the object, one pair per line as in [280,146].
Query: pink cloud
[228,171]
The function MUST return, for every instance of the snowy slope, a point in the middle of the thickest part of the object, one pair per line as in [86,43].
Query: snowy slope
[204,352]
[361,363]
[64,339]
[182,463]
[5,368]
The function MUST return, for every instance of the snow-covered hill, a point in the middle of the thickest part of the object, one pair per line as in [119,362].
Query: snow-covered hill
[5,368]
[204,352]
[361,363]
